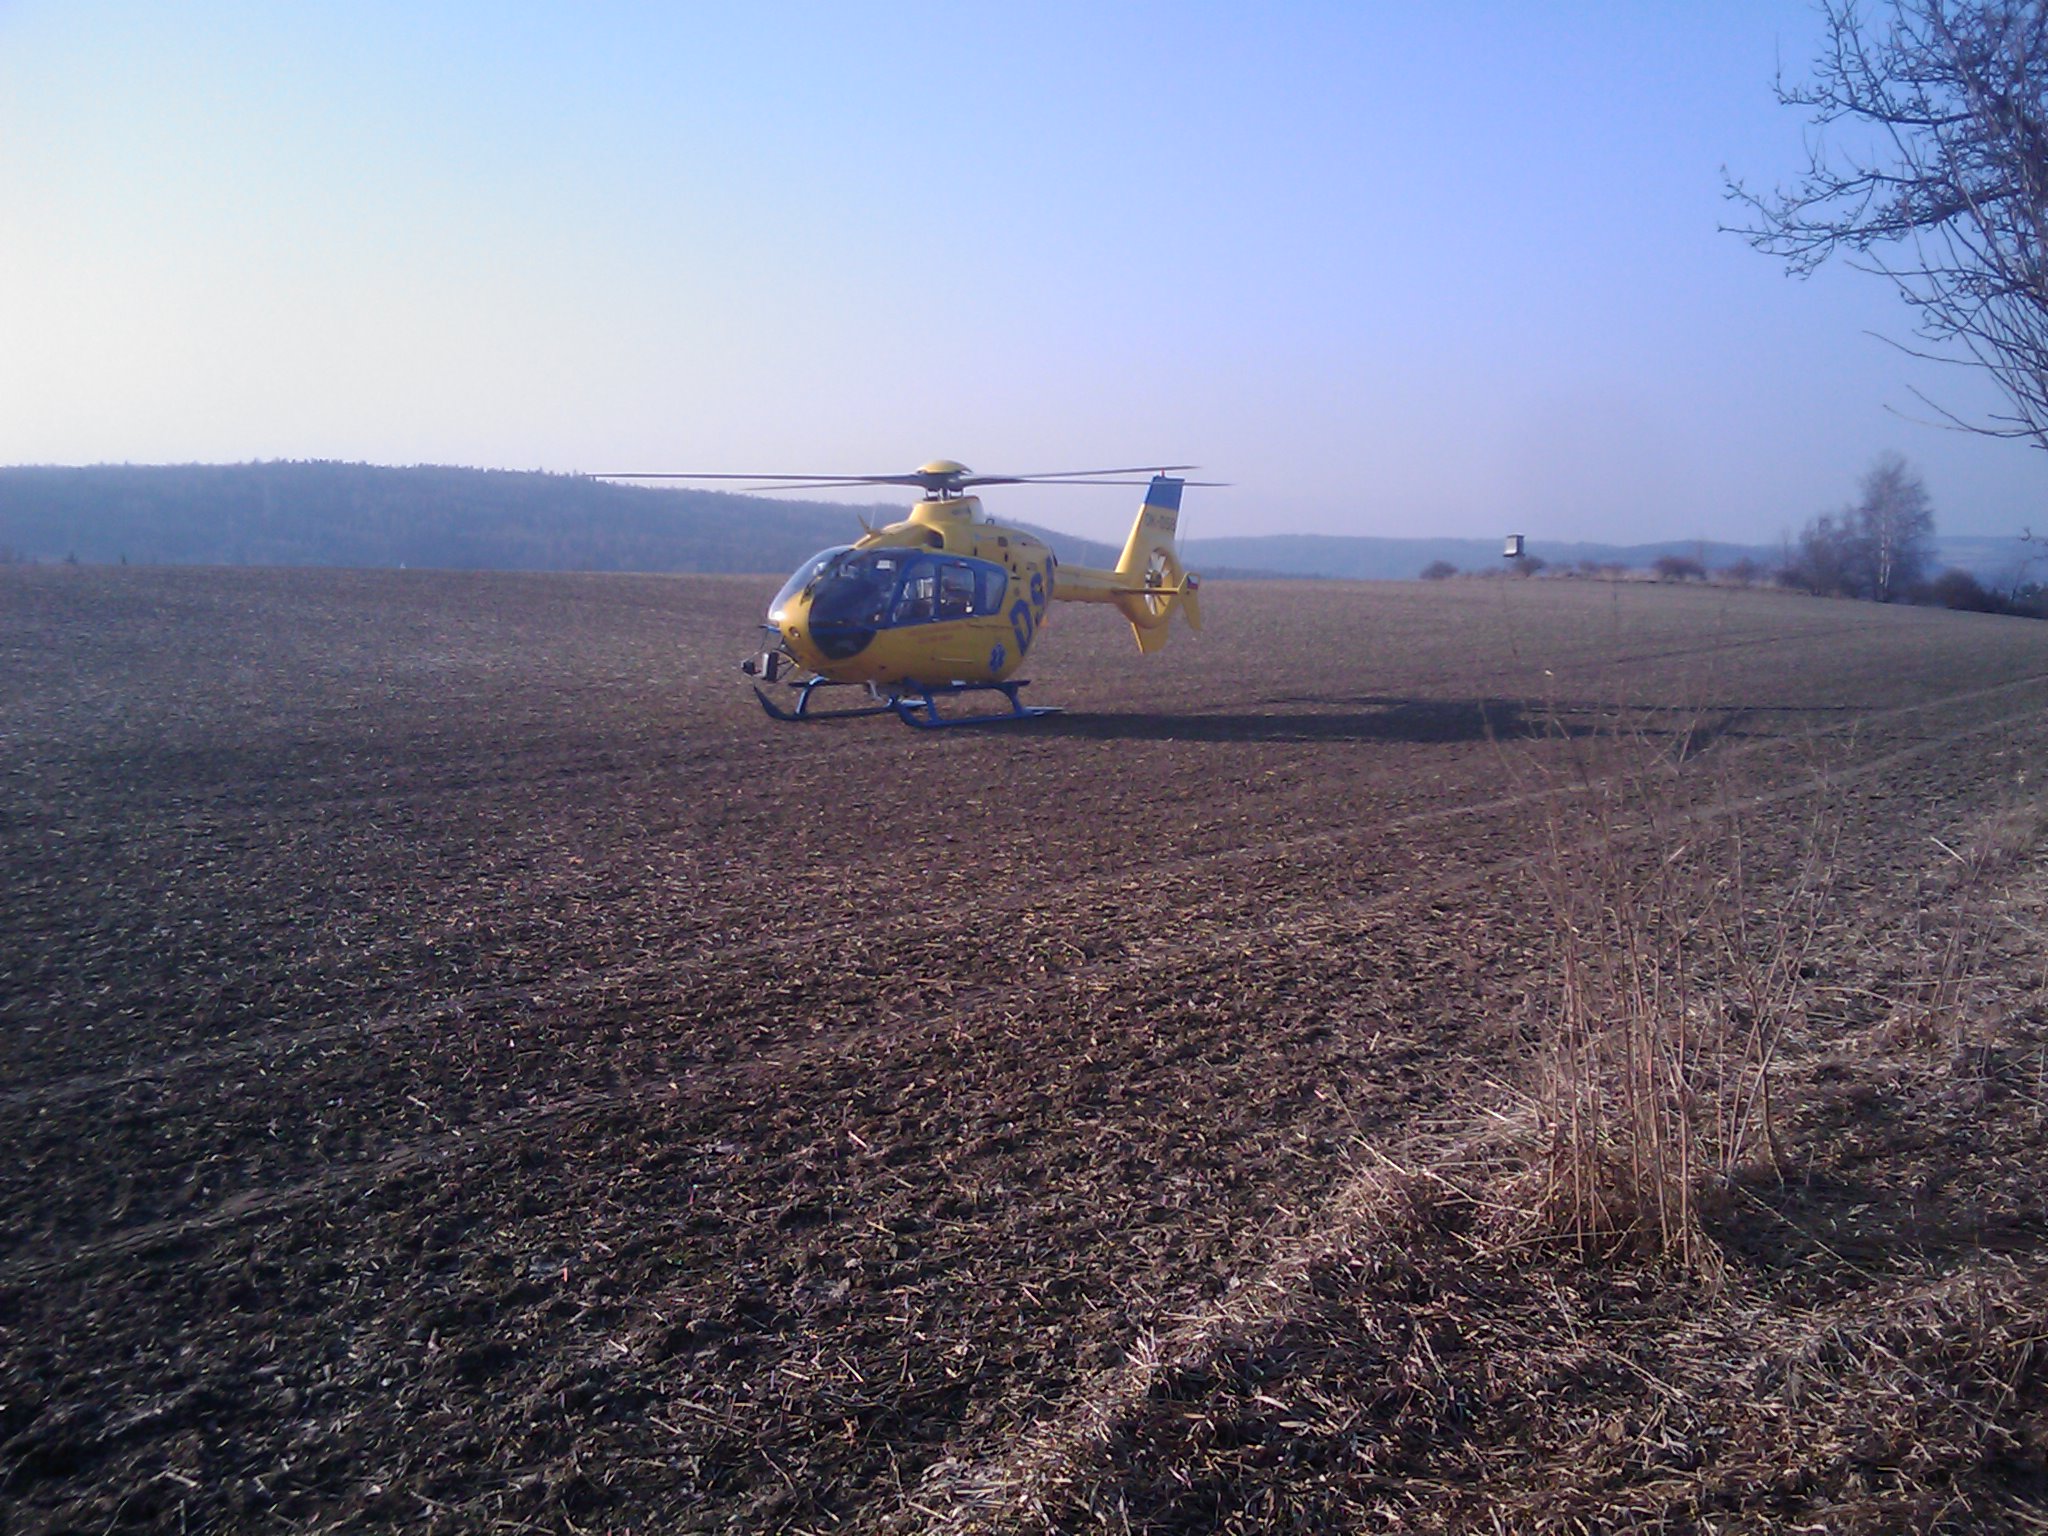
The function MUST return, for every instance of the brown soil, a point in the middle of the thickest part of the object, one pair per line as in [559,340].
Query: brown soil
[467,1069]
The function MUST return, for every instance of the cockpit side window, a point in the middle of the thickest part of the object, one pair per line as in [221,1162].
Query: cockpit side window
[873,588]
[942,588]
[957,591]
[917,596]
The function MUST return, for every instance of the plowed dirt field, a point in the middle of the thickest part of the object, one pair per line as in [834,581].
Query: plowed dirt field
[465,1068]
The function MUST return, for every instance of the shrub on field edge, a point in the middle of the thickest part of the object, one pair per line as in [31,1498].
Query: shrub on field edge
[1678,568]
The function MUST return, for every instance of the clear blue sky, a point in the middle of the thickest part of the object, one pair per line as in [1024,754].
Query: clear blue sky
[1389,269]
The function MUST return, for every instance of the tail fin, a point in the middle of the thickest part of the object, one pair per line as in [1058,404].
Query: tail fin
[1154,529]
[1154,582]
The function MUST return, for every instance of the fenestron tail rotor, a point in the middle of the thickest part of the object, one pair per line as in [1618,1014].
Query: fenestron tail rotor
[1161,571]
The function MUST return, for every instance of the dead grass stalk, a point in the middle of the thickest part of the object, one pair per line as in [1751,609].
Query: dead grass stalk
[1681,951]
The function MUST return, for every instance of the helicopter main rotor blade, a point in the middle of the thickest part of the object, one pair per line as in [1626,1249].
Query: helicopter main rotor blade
[844,483]
[933,481]
[795,481]
[1033,480]
[1131,469]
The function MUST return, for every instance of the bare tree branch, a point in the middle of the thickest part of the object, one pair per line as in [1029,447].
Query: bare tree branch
[1928,166]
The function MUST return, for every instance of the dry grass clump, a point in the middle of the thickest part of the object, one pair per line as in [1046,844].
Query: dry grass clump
[1965,903]
[1692,943]
[1663,1288]
[1726,1260]
[1723,1264]
[1424,1375]
[1682,952]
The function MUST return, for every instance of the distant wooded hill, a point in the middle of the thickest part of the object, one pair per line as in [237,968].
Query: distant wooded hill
[323,513]
[362,515]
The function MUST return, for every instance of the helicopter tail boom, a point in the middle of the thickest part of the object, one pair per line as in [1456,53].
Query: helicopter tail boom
[1149,582]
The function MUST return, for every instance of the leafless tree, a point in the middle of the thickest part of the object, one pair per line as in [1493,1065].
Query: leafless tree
[1878,548]
[1823,561]
[1892,524]
[1929,166]
[2019,580]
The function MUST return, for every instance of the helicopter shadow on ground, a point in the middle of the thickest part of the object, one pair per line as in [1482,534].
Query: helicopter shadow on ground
[1368,719]
[1687,730]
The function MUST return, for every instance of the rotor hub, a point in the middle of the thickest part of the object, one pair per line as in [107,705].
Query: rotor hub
[943,477]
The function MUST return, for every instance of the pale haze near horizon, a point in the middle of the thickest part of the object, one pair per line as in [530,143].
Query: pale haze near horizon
[1387,273]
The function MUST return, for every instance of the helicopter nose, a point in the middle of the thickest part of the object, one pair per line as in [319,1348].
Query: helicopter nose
[792,624]
[831,626]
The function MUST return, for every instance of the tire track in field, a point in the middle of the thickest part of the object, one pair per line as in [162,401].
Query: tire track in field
[999,1491]
[1053,897]
[465,1141]
[255,1204]
[1776,637]
[1056,895]
[1588,653]
[958,1495]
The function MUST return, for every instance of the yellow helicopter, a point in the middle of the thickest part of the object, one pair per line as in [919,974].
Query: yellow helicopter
[946,603]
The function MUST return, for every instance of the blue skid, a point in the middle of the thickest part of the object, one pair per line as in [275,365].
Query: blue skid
[921,708]
[917,705]
[804,690]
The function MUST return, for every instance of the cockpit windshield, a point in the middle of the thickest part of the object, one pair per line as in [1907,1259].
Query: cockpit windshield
[855,588]
[805,575]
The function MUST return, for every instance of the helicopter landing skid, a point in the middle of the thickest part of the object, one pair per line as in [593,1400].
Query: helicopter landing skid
[917,707]
[805,689]
[921,708]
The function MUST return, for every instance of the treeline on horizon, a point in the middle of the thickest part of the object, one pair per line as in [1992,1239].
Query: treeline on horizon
[322,512]
[1954,587]
[327,513]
